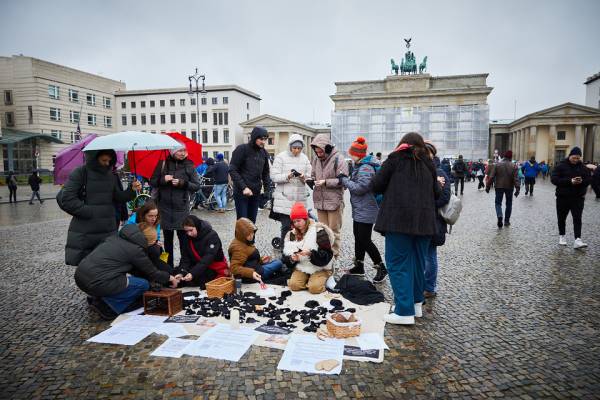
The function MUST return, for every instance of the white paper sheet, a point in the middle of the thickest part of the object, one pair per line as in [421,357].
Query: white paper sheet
[369,341]
[266,293]
[143,321]
[172,348]
[304,351]
[171,330]
[139,311]
[223,343]
[121,334]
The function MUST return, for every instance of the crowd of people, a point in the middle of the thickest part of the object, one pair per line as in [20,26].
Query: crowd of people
[400,198]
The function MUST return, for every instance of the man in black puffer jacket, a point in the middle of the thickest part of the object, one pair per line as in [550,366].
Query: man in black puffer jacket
[249,170]
[103,274]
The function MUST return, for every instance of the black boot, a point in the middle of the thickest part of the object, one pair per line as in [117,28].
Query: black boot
[381,273]
[358,269]
[506,222]
[499,222]
[103,309]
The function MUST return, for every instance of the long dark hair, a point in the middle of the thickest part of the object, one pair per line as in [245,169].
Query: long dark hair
[140,214]
[415,140]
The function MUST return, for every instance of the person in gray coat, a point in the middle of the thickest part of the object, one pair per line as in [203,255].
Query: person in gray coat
[117,272]
[364,209]
[89,195]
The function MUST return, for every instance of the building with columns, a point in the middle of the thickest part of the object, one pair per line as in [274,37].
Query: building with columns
[280,129]
[549,134]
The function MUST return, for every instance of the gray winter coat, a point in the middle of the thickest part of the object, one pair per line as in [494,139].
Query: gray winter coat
[364,205]
[94,215]
[330,196]
[104,271]
[174,201]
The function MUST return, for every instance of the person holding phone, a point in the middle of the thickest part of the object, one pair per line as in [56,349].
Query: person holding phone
[571,178]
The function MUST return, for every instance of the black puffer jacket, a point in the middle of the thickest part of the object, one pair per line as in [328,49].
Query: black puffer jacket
[249,166]
[94,217]
[409,188]
[34,182]
[562,175]
[174,201]
[104,271]
[209,249]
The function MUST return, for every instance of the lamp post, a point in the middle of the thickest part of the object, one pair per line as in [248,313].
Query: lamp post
[196,78]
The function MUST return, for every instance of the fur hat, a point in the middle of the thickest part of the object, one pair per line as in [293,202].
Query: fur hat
[358,148]
[298,211]
[575,151]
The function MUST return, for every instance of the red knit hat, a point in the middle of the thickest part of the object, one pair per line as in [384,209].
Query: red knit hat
[358,148]
[298,211]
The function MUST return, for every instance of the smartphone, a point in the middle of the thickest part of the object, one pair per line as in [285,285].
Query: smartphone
[295,173]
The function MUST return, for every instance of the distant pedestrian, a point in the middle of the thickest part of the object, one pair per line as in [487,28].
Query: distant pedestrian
[220,174]
[530,169]
[11,181]
[378,158]
[544,167]
[506,180]
[34,183]
[521,176]
[571,178]
[595,179]
[460,169]
[480,173]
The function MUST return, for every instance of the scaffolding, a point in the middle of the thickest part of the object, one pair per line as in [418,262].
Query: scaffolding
[452,129]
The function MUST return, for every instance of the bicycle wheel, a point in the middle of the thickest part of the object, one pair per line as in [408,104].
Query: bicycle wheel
[140,200]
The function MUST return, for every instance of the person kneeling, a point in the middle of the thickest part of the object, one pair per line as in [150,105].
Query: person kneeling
[245,259]
[307,247]
[202,258]
[104,274]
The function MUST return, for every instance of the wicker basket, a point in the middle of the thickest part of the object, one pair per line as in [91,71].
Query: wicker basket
[220,286]
[343,325]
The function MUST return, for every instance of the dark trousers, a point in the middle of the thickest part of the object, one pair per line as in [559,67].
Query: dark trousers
[286,225]
[529,182]
[460,179]
[169,235]
[246,206]
[363,243]
[12,194]
[508,210]
[575,206]
[34,194]
[480,185]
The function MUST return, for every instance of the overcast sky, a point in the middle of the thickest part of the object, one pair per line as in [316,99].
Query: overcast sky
[291,52]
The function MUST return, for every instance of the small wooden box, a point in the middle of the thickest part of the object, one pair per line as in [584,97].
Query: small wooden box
[166,302]
[220,286]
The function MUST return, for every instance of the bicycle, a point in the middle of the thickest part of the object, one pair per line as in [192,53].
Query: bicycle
[210,202]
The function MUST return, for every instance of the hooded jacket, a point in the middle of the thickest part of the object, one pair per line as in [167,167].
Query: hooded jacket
[104,271]
[562,175]
[292,190]
[243,256]
[202,252]
[94,217]
[249,165]
[330,196]
[318,239]
[364,204]
[530,170]
[504,174]
[459,168]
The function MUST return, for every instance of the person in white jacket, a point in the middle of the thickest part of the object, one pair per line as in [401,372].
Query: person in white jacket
[289,172]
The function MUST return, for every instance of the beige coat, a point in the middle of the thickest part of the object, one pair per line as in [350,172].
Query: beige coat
[330,196]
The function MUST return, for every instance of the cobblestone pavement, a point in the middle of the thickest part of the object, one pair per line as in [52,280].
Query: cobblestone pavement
[517,316]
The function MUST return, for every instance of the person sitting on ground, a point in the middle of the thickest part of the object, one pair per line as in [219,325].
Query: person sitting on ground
[117,272]
[202,258]
[246,262]
[308,248]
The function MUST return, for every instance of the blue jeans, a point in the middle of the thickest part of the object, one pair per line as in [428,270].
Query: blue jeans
[405,258]
[499,194]
[246,206]
[267,270]
[134,290]
[221,195]
[431,269]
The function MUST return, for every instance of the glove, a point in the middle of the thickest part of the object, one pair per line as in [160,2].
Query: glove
[340,178]
[517,192]
[487,189]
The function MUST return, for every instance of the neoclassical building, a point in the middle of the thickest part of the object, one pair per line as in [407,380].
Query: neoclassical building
[549,134]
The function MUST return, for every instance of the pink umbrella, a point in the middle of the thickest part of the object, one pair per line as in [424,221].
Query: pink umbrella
[73,156]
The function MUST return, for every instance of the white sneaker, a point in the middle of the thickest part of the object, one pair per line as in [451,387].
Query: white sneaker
[418,310]
[562,240]
[393,318]
[578,244]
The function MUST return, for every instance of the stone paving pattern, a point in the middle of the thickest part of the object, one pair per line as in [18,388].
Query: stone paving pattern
[517,316]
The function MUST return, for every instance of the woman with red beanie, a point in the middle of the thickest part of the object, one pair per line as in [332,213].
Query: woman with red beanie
[307,248]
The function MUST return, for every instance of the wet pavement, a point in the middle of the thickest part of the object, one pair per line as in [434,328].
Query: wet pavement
[516,316]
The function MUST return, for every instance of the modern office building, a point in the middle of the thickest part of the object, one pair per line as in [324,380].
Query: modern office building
[592,91]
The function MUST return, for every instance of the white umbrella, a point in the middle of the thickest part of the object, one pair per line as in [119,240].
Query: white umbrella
[133,140]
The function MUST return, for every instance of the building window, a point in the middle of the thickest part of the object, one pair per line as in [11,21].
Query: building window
[91,99]
[204,136]
[133,104]
[30,114]
[220,118]
[143,119]
[152,103]
[10,118]
[193,101]
[247,106]
[8,97]
[226,136]
[271,141]
[162,103]
[215,154]
[215,100]
[75,137]
[152,119]
[163,119]
[172,102]
[124,120]
[561,135]
[133,120]
[204,117]
[183,132]
[74,117]
[203,101]
[142,104]
[226,118]
[225,100]
[182,116]
[205,155]
[107,102]
[55,114]
[152,131]
[107,122]
[53,92]
[226,155]
[247,117]
[193,118]
[182,102]
[194,135]
[92,119]
[215,136]
[123,104]
[172,118]
[56,134]
[73,96]
[215,119]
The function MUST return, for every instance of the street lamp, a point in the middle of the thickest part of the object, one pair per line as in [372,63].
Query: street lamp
[196,78]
